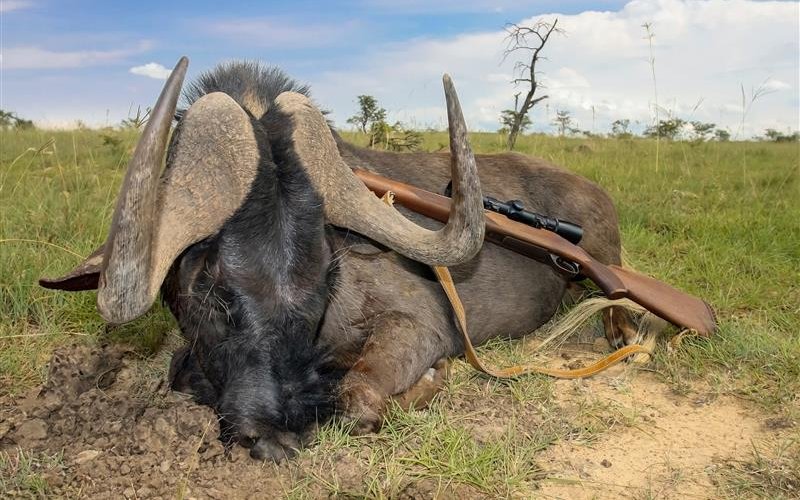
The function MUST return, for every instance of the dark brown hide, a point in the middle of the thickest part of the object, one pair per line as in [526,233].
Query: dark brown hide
[390,318]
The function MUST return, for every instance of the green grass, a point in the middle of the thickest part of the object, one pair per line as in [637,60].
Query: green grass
[767,473]
[57,193]
[25,474]
[718,220]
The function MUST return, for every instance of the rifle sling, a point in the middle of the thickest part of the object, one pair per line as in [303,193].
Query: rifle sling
[446,280]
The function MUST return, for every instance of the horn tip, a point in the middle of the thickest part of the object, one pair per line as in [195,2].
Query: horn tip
[181,66]
[447,80]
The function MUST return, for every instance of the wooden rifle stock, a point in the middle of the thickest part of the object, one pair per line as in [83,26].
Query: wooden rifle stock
[615,282]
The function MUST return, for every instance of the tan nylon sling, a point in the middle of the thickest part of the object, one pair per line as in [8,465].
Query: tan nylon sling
[472,357]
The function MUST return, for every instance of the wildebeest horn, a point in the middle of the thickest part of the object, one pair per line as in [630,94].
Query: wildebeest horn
[348,203]
[213,160]
[129,246]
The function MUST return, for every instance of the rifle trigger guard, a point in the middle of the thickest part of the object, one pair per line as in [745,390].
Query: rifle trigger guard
[571,270]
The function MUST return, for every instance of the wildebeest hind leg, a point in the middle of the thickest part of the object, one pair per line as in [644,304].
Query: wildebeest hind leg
[398,353]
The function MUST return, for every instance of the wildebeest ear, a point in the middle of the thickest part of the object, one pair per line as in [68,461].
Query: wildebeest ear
[83,277]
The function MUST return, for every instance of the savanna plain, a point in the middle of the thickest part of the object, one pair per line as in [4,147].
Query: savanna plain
[711,417]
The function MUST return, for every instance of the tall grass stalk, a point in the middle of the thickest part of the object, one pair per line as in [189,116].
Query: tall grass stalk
[650,35]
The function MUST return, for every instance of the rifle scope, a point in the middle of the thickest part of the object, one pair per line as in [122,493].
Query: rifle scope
[515,210]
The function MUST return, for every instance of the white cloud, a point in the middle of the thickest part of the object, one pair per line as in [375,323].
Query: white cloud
[9,5]
[776,85]
[38,58]
[704,52]
[152,70]
[567,78]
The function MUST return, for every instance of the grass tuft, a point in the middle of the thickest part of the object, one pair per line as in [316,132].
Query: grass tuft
[25,474]
[773,474]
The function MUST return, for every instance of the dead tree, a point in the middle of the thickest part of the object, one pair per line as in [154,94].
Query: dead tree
[531,39]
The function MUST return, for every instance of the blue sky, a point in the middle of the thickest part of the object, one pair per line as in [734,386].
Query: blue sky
[64,60]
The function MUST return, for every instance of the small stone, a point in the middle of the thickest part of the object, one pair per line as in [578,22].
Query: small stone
[86,456]
[34,429]
[162,428]
[5,427]
[142,432]
[124,469]
[129,492]
[144,492]
[164,467]
[605,463]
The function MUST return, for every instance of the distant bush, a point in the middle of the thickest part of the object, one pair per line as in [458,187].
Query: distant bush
[775,136]
[394,137]
[9,119]
[620,129]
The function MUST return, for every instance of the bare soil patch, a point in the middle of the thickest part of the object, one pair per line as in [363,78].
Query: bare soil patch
[103,426]
[671,446]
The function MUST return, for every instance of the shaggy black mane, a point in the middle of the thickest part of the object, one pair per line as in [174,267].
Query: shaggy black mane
[252,84]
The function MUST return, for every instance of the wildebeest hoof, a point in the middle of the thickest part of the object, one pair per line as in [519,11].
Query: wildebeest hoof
[284,445]
[419,395]
[619,327]
[362,407]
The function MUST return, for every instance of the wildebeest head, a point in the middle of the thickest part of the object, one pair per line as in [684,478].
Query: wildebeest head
[233,233]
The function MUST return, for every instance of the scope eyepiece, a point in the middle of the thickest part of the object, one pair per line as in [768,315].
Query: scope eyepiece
[569,231]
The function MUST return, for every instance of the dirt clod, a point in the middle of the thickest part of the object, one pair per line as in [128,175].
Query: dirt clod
[31,430]
[92,410]
[86,456]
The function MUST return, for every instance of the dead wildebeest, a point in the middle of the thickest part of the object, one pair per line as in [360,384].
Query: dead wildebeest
[299,291]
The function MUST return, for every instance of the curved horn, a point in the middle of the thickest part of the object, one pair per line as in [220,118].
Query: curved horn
[127,250]
[348,203]
[213,160]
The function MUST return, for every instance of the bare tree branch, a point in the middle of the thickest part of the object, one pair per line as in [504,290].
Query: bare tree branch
[531,39]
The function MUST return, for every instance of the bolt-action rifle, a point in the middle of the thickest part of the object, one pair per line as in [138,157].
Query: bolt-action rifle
[571,260]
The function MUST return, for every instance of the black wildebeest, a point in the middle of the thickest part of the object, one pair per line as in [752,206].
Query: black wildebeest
[298,291]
